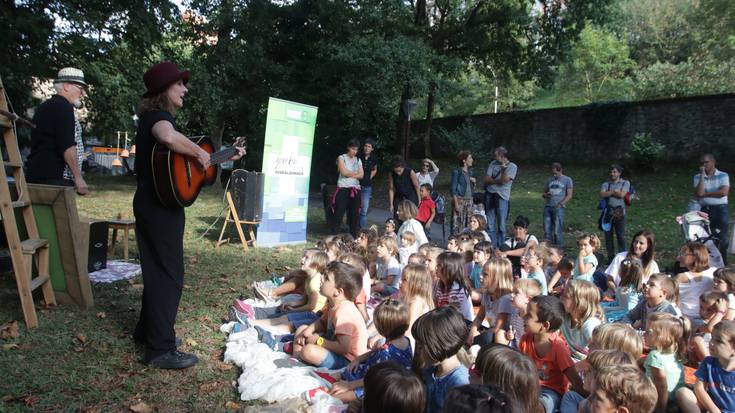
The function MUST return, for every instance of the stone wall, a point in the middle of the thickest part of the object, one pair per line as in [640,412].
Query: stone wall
[602,132]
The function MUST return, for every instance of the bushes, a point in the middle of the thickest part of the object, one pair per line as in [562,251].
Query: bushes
[645,152]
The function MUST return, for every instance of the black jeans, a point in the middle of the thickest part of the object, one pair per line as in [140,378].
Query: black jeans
[618,227]
[718,222]
[347,200]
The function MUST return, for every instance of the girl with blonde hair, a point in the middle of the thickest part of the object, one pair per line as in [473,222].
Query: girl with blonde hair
[581,300]
[496,303]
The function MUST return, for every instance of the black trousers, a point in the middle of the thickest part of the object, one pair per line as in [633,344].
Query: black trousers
[160,237]
[347,200]
[618,229]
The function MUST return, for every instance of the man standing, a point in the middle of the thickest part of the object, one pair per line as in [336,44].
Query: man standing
[56,142]
[498,181]
[370,166]
[558,192]
[612,220]
[711,187]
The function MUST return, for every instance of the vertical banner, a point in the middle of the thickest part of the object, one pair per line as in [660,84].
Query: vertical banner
[289,139]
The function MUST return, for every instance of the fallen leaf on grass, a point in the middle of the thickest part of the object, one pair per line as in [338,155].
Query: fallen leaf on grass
[232,405]
[233,290]
[29,401]
[81,337]
[191,342]
[9,330]
[10,346]
[141,408]
[101,314]
[209,387]
[224,366]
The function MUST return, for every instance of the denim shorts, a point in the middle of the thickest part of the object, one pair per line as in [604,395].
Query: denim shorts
[301,318]
[334,361]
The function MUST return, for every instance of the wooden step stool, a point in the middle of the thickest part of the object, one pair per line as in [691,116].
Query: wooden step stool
[125,225]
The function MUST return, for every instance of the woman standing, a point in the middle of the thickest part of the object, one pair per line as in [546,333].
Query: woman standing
[461,189]
[428,172]
[402,184]
[160,229]
[347,196]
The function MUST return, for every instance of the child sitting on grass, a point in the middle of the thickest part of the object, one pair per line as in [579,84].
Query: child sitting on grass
[387,267]
[549,351]
[713,390]
[524,290]
[534,261]
[659,290]
[586,262]
[343,333]
[391,318]
[439,335]
[408,247]
[622,389]
[482,252]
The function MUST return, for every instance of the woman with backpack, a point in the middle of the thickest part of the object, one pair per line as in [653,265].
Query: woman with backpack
[612,203]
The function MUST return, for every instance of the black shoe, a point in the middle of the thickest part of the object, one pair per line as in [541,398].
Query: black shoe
[142,342]
[174,359]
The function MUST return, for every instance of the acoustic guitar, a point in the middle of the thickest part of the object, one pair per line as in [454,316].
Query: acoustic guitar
[178,178]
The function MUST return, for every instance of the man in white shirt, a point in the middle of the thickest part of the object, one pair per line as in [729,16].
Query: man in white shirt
[711,187]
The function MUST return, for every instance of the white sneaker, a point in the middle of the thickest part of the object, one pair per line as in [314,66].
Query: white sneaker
[263,292]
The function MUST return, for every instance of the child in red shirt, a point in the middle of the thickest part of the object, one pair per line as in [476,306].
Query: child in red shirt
[427,207]
[549,351]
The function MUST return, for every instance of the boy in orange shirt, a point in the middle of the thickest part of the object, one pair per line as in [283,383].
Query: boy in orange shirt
[549,351]
[343,333]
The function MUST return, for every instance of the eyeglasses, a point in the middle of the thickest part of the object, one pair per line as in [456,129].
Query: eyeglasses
[81,88]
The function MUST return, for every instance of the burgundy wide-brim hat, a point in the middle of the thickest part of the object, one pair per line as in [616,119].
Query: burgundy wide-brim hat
[161,75]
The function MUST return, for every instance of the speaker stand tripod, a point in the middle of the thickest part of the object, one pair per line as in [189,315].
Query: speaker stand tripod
[232,217]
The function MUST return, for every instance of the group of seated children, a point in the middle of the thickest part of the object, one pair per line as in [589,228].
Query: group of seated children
[466,329]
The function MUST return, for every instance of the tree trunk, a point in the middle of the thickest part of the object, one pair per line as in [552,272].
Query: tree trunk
[402,138]
[429,119]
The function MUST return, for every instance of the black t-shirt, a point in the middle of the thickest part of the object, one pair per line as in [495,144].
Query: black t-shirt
[144,141]
[368,164]
[53,134]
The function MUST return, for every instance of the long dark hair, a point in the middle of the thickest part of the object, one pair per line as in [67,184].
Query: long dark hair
[650,252]
[450,265]
[159,101]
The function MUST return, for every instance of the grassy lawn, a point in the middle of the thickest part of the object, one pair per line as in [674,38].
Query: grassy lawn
[85,361]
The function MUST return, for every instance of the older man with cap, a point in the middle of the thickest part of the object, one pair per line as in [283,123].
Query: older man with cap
[56,142]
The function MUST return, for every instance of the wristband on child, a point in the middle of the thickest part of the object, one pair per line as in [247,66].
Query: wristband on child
[320,341]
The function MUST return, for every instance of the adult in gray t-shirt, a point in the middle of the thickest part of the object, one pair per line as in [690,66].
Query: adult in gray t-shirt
[557,192]
[498,181]
[614,191]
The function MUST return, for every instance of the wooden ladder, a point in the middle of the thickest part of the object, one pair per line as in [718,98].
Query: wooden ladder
[33,250]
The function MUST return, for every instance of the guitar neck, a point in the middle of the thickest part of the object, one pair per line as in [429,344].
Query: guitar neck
[222,156]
